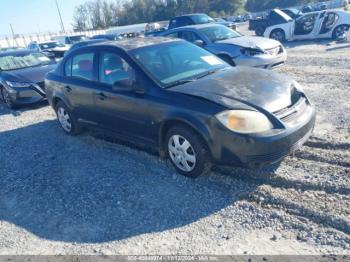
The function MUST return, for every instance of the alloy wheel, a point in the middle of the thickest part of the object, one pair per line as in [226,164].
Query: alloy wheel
[182,153]
[277,35]
[64,119]
[340,31]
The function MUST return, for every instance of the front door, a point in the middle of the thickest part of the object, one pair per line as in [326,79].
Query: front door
[120,109]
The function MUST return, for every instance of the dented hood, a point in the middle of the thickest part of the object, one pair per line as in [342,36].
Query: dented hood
[254,42]
[242,85]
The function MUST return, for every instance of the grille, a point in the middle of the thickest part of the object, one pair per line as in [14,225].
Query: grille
[291,113]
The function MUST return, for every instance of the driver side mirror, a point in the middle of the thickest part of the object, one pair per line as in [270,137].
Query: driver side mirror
[199,43]
[127,84]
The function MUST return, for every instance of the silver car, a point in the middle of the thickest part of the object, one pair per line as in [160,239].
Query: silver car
[232,46]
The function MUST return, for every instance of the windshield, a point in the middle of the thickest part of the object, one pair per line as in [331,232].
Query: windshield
[218,33]
[77,38]
[50,45]
[202,19]
[19,61]
[175,62]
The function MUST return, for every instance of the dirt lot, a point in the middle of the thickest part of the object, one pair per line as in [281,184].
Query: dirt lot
[84,195]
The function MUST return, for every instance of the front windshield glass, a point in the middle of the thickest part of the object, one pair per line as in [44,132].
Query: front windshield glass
[50,45]
[218,33]
[202,19]
[171,64]
[77,38]
[19,61]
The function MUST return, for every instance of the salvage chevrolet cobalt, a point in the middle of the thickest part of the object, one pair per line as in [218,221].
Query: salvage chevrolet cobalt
[174,96]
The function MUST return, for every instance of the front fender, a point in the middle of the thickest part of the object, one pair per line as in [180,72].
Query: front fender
[198,124]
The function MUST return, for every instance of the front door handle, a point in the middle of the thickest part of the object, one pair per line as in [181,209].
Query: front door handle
[101,95]
[68,88]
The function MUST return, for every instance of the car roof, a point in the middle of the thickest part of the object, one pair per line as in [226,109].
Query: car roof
[199,26]
[187,15]
[138,42]
[16,52]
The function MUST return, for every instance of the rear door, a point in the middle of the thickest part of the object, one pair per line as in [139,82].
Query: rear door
[79,85]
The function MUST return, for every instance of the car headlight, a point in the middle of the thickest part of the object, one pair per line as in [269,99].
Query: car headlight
[298,87]
[244,121]
[17,84]
[251,51]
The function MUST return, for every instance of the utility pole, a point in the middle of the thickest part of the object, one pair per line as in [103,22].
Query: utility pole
[60,16]
[13,35]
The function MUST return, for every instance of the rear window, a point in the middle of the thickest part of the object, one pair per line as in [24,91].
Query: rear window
[80,66]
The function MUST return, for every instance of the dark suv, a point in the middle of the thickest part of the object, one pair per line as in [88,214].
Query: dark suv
[182,100]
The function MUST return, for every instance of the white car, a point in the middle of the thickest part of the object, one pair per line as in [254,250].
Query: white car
[322,24]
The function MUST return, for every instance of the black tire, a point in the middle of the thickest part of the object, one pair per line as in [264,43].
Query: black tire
[74,126]
[5,98]
[227,59]
[339,30]
[259,31]
[197,148]
[279,35]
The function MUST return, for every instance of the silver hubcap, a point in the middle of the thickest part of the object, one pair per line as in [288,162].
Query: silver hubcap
[340,31]
[64,119]
[182,153]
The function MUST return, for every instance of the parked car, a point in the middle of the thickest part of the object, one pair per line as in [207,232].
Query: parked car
[69,40]
[196,19]
[184,101]
[110,37]
[322,24]
[51,49]
[293,12]
[10,48]
[85,43]
[22,76]
[275,17]
[233,47]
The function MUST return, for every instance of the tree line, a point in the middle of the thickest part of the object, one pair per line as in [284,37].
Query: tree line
[101,14]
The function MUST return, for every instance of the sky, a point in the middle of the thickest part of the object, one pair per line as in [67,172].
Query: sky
[32,16]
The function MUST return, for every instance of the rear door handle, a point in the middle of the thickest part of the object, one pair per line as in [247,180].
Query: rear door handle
[101,95]
[68,88]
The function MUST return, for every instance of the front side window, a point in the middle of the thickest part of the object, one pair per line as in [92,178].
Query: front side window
[177,61]
[83,66]
[219,32]
[113,68]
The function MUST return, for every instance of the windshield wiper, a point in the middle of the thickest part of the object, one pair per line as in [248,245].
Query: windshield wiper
[210,72]
[179,82]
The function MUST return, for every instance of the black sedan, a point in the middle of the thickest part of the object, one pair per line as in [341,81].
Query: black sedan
[184,101]
[22,75]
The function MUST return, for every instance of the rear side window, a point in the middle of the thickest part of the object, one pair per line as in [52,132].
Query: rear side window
[82,66]
[189,36]
[68,68]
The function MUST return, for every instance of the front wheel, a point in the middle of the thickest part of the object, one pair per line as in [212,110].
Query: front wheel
[187,152]
[339,32]
[66,119]
[259,31]
[279,35]
[6,98]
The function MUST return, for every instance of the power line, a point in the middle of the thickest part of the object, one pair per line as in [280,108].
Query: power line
[60,16]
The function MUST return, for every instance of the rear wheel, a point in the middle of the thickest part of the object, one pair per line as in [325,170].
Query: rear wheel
[187,152]
[279,35]
[259,31]
[339,32]
[66,119]
[6,98]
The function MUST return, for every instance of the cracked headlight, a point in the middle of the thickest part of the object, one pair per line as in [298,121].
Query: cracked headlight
[244,121]
[17,84]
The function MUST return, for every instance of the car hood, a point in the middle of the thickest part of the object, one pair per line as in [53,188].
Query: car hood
[243,86]
[30,75]
[252,42]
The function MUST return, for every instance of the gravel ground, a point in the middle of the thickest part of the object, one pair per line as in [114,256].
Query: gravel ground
[85,195]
